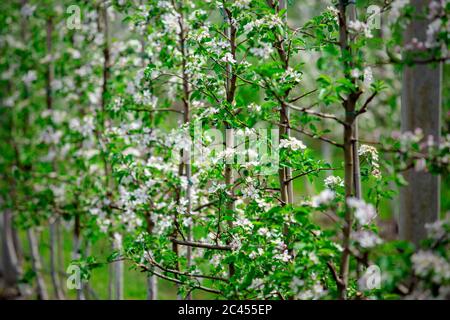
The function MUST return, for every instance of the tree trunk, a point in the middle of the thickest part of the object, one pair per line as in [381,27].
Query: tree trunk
[54,272]
[110,281]
[11,272]
[421,103]
[186,153]
[36,264]
[17,247]
[284,173]
[152,287]
[118,271]
[49,99]
[349,192]
[356,169]
[76,251]
[231,78]
[60,255]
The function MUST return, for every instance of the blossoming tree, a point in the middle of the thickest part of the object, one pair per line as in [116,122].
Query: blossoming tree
[178,136]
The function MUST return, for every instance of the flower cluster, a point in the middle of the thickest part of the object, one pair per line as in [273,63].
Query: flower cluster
[292,143]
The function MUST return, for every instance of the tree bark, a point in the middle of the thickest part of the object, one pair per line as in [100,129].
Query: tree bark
[352,16]
[349,150]
[60,254]
[10,267]
[36,264]
[421,108]
[152,287]
[118,271]
[285,173]
[229,135]
[118,266]
[49,99]
[349,192]
[54,272]
[76,251]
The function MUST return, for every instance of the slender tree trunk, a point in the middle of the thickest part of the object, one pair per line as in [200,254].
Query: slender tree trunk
[1,244]
[36,264]
[348,219]
[349,106]
[18,247]
[87,290]
[76,251]
[356,168]
[11,272]
[231,79]
[53,264]
[286,184]
[60,254]
[10,250]
[152,280]
[118,266]
[421,108]
[152,287]
[118,271]
[187,155]
[352,15]
[2,262]
[103,27]
[49,98]
[284,173]
[110,281]
[11,267]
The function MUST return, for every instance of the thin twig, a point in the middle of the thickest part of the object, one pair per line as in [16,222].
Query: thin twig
[308,172]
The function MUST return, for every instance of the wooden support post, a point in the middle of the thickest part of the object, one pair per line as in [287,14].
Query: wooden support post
[421,104]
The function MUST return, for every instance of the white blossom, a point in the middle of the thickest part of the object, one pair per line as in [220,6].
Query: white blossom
[303,292]
[291,75]
[368,76]
[436,230]
[371,153]
[333,181]
[171,22]
[263,51]
[284,256]
[323,198]
[357,26]
[366,239]
[263,232]
[364,212]
[355,73]
[245,223]
[236,244]
[29,77]
[292,143]
[242,4]
[254,254]
[27,10]
[254,107]
[427,263]
[228,58]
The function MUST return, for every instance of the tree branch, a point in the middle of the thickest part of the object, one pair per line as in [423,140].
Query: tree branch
[200,245]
